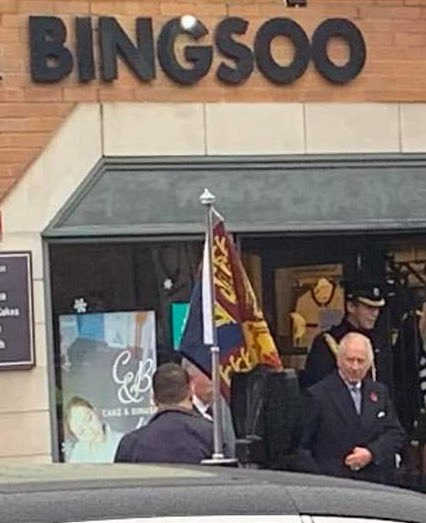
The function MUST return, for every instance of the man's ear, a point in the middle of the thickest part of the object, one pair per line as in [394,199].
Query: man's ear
[351,307]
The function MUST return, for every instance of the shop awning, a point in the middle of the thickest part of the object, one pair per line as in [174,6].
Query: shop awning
[128,196]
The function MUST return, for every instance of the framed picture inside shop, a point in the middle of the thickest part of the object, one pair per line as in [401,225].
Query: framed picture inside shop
[107,364]
[309,299]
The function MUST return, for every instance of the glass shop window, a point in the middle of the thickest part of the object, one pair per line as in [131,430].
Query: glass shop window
[118,310]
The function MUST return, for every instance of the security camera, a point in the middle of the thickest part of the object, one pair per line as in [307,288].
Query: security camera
[188,22]
[296,3]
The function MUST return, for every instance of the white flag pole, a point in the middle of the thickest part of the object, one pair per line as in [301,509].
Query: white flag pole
[209,326]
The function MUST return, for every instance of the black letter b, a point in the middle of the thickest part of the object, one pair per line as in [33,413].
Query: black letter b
[51,61]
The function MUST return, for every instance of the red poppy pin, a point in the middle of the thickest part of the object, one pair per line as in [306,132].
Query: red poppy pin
[374,397]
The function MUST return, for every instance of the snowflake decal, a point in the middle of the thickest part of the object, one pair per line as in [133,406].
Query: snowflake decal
[168,284]
[80,305]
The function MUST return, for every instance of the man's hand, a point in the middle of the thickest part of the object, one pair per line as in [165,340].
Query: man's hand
[359,458]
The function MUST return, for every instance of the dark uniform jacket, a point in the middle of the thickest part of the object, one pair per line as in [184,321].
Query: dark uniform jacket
[171,436]
[333,428]
[407,353]
[321,361]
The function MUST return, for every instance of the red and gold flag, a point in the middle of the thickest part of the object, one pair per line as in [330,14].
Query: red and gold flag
[243,335]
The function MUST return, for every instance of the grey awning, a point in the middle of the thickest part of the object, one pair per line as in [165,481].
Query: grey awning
[297,193]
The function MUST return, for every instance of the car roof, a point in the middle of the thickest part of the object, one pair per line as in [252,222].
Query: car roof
[74,492]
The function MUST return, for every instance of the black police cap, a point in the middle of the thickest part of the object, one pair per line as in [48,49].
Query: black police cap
[370,294]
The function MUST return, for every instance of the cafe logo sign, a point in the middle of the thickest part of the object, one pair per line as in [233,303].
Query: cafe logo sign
[134,385]
[52,58]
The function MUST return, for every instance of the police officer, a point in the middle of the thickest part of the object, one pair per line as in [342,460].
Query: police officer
[363,303]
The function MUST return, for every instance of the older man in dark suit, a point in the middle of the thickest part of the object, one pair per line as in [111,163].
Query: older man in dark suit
[176,433]
[351,429]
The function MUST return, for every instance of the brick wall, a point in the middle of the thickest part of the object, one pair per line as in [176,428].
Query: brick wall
[395,70]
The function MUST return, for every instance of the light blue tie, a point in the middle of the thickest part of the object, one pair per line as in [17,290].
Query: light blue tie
[356,396]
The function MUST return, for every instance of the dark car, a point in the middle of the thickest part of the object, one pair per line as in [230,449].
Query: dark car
[60,493]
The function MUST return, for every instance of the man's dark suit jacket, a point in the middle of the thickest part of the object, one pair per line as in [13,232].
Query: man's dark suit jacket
[333,428]
[171,436]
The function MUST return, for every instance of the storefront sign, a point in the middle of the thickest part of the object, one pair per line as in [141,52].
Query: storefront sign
[52,59]
[16,318]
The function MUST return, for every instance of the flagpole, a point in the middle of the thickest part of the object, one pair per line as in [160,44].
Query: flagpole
[207,199]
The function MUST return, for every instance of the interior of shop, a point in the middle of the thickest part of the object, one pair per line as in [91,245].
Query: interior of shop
[299,281]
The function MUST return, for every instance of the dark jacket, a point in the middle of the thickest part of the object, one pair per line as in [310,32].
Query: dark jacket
[407,353]
[171,436]
[333,428]
[321,361]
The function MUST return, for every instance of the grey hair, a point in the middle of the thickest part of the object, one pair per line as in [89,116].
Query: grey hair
[354,336]
[187,365]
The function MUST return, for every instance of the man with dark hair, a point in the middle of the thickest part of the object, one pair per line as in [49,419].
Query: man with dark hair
[363,305]
[170,384]
[176,433]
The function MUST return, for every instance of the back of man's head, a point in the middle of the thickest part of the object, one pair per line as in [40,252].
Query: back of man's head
[171,384]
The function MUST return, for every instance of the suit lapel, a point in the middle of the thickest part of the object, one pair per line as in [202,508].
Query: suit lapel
[342,400]
[370,399]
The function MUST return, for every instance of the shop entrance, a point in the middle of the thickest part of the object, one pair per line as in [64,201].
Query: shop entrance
[301,282]
[121,275]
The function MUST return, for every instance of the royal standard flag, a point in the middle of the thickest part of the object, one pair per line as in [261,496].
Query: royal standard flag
[243,335]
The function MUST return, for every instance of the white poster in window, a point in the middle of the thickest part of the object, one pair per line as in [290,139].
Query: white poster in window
[107,364]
